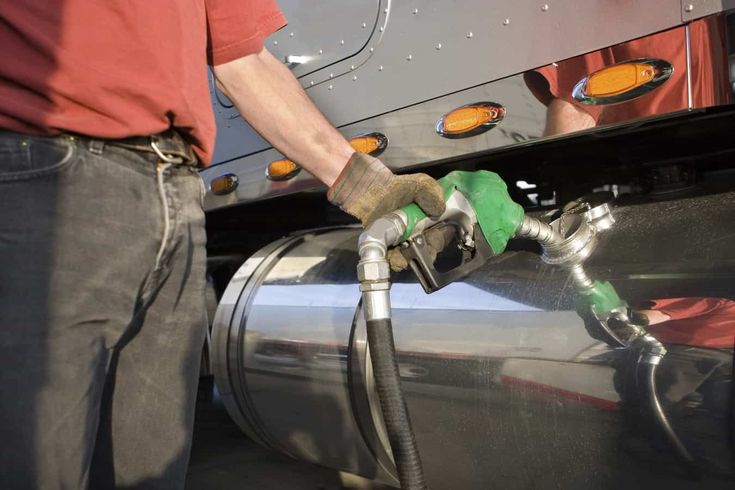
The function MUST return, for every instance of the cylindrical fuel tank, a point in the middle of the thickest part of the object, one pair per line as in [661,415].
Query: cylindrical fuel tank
[507,385]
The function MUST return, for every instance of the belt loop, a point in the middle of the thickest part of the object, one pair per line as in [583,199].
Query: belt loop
[96,146]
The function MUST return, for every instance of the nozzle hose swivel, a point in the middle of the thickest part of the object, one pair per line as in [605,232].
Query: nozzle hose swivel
[374,275]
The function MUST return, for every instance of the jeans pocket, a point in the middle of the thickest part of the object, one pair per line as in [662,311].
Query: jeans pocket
[27,157]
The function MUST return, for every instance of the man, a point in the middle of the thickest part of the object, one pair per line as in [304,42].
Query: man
[105,115]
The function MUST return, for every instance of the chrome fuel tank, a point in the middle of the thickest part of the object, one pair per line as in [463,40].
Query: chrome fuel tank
[506,385]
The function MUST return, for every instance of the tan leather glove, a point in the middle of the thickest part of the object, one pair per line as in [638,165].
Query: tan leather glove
[367,190]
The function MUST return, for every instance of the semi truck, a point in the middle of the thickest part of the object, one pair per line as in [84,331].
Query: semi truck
[625,106]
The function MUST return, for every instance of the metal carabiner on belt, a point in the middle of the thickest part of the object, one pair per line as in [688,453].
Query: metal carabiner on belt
[169,159]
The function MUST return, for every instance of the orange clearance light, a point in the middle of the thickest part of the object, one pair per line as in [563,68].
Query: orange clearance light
[618,79]
[224,184]
[371,143]
[282,170]
[470,120]
[622,82]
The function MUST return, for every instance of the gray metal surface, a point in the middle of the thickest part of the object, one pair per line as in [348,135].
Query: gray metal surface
[322,33]
[412,139]
[694,9]
[418,28]
[410,128]
[493,51]
[452,46]
[318,35]
[504,381]
[318,401]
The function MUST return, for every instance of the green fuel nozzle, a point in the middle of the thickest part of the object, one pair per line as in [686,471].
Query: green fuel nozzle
[600,303]
[483,218]
[484,201]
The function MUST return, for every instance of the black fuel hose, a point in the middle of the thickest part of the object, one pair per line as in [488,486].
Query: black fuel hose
[395,413]
[663,420]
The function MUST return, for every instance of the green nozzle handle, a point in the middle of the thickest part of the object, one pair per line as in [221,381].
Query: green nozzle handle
[414,215]
[600,299]
[497,214]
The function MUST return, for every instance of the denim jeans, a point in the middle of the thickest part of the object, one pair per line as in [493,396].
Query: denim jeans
[102,273]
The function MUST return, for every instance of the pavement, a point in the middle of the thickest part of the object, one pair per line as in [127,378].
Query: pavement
[223,458]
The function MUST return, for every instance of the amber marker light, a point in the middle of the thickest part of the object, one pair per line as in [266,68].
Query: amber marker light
[622,82]
[619,79]
[224,184]
[470,120]
[372,143]
[280,170]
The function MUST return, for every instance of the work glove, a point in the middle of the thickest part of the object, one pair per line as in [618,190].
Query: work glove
[497,214]
[367,190]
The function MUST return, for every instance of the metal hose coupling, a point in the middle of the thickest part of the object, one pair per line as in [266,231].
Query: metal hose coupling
[575,234]
[654,350]
[373,272]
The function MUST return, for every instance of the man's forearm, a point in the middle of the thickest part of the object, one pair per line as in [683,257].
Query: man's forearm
[274,103]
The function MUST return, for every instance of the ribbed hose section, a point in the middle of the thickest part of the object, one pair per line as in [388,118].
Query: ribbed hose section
[663,420]
[539,231]
[393,406]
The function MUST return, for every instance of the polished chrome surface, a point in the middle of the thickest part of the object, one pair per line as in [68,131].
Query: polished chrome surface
[491,53]
[274,290]
[694,9]
[396,61]
[412,140]
[662,72]
[504,381]
[321,34]
[394,111]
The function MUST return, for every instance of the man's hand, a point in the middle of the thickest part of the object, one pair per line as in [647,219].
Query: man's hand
[367,190]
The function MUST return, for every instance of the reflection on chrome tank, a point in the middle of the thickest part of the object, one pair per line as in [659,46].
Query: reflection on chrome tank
[504,380]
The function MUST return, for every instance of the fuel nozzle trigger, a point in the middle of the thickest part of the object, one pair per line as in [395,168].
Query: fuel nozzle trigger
[420,258]
[459,218]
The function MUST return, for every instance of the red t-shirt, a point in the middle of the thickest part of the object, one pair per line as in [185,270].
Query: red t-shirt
[702,322]
[119,68]
[710,79]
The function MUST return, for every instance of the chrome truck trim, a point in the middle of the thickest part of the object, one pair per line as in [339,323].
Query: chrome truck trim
[461,56]
[505,382]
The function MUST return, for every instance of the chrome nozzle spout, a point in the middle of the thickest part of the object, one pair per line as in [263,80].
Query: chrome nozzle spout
[539,231]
